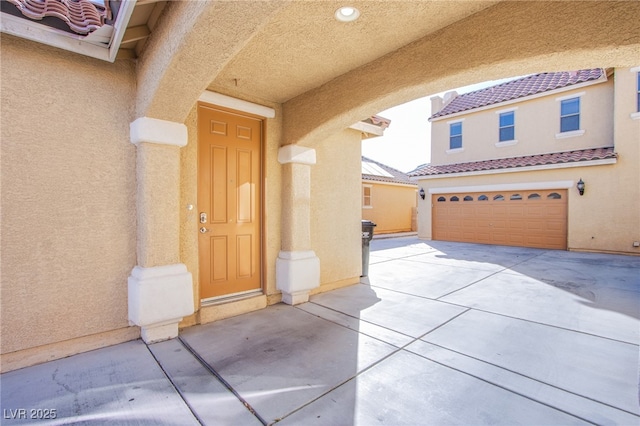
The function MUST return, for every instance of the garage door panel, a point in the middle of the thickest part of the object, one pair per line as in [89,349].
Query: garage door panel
[525,218]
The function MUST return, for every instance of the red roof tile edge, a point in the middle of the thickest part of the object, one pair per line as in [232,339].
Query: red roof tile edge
[516,162]
[82,16]
[518,88]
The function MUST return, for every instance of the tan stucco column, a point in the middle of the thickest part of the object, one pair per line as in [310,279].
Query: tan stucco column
[297,266]
[160,288]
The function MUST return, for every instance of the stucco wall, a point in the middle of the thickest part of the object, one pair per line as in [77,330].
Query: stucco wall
[391,207]
[336,208]
[68,194]
[537,121]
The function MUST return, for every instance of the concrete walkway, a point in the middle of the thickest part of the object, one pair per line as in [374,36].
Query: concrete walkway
[439,333]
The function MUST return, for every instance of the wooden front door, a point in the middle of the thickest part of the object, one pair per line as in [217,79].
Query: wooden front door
[229,206]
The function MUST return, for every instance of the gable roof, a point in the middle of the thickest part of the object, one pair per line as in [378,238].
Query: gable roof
[394,176]
[519,88]
[515,162]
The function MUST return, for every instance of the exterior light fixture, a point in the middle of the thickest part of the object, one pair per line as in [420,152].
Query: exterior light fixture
[347,14]
[421,193]
[580,186]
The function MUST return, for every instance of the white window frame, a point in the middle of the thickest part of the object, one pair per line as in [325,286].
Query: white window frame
[514,140]
[364,197]
[461,148]
[571,133]
[636,115]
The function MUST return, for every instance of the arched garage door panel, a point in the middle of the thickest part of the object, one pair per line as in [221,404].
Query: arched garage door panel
[520,218]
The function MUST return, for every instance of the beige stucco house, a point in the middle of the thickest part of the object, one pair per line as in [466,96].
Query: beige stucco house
[166,164]
[388,198]
[548,160]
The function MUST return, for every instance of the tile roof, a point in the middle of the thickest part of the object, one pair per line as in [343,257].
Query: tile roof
[397,175]
[81,16]
[526,86]
[515,162]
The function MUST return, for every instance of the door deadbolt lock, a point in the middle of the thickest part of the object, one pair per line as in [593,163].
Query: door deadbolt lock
[203,217]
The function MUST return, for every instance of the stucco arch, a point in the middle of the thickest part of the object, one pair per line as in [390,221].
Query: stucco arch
[510,39]
[195,42]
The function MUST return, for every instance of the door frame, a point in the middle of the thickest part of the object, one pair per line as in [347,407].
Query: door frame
[206,102]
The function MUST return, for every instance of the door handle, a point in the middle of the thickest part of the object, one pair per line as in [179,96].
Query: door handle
[204,230]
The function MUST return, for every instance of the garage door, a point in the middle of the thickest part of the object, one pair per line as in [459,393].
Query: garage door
[513,218]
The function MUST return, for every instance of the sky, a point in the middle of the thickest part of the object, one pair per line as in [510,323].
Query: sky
[406,143]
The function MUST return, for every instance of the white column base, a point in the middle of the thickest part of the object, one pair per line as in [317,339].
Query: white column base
[159,298]
[297,273]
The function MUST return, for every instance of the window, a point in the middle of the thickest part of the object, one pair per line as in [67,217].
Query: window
[468,198]
[554,196]
[638,94]
[498,197]
[507,126]
[569,115]
[455,135]
[483,198]
[534,196]
[454,198]
[515,197]
[366,196]
[441,199]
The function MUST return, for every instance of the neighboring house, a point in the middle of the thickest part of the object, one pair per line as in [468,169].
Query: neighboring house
[166,164]
[388,198]
[549,160]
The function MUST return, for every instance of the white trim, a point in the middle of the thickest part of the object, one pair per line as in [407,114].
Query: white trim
[635,69]
[237,104]
[460,120]
[528,186]
[83,45]
[635,115]
[158,298]
[520,169]
[502,111]
[153,130]
[571,134]
[506,143]
[575,95]
[297,273]
[525,98]
[454,150]
[296,154]
[367,128]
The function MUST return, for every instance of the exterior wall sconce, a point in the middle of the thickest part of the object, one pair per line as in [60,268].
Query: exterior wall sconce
[580,186]
[422,194]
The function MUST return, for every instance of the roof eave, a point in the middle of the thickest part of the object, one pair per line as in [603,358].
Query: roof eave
[584,163]
[553,92]
[83,45]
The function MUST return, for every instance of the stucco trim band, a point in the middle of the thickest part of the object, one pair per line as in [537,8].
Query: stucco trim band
[297,273]
[159,297]
[153,130]
[529,186]
[237,104]
[296,154]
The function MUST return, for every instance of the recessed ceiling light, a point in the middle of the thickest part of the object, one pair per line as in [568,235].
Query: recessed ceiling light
[347,14]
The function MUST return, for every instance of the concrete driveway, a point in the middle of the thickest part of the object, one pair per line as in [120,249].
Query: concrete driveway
[439,333]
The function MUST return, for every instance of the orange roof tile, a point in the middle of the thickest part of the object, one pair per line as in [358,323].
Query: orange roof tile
[516,162]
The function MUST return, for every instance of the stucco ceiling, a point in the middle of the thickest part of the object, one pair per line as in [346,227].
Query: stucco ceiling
[304,46]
